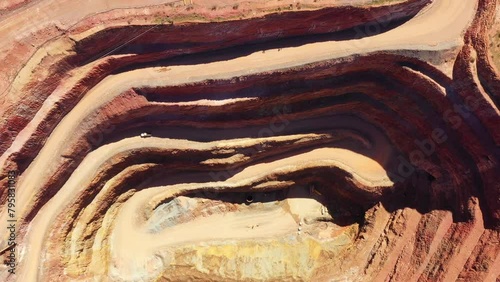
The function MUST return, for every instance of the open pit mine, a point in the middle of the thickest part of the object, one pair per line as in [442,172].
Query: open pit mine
[256,140]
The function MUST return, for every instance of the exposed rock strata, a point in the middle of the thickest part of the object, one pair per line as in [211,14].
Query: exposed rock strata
[398,160]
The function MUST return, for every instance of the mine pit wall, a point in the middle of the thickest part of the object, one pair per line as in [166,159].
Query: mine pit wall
[476,38]
[93,219]
[485,113]
[110,174]
[66,102]
[245,32]
[69,154]
[440,246]
[121,184]
[361,63]
[105,116]
[482,123]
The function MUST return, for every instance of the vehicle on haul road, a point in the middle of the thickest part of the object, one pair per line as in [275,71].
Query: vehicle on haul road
[146,135]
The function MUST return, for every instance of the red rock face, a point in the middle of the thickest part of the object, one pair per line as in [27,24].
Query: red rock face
[289,142]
